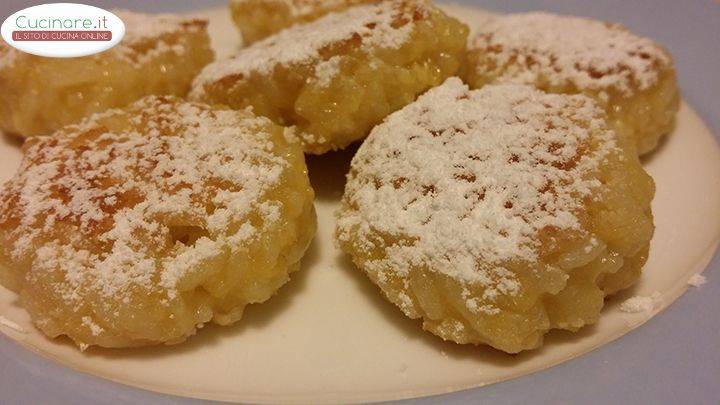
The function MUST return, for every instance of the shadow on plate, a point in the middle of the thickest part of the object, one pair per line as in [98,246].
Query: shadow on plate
[327,172]
[12,140]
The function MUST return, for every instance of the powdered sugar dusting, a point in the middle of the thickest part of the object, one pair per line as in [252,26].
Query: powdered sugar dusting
[462,182]
[138,200]
[697,280]
[387,24]
[640,303]
[148,35]
[561,50]
[147,27]
[95,329]
[303,8]
[327,70]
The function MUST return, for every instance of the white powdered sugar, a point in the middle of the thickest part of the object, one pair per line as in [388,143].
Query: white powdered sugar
[562,50]
[639,303]
[462,182]
[697,280]
[327,70]
[148,35]
[148,27]
[141,206]
[95,329]
[303,8]
[387,24]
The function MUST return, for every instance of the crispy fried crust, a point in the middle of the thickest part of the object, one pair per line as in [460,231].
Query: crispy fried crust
[257,19]
[498,214]
[633,78]
[337,77]
[160,54]
[139,225]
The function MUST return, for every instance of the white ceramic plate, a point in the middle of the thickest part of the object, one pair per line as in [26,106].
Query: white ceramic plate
[328,335]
